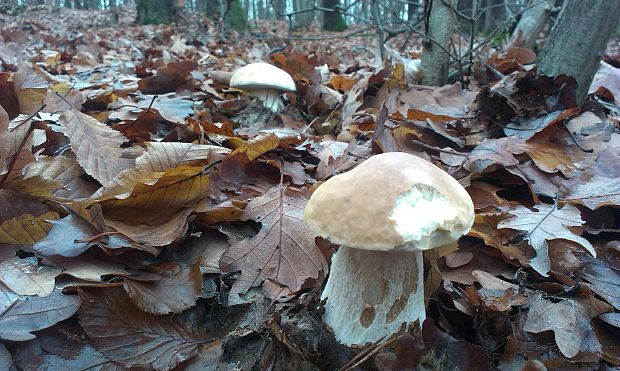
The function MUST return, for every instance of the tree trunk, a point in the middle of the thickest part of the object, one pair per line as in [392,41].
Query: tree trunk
[279,8]
[303,20]
[156,11]
[333,21]
[531,24]
[441,23]
[578,40]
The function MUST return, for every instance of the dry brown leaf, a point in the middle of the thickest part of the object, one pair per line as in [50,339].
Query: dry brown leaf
[178,290]
[283,251]
[255,147]
[97,147]
[548,222]
[80,224]
[569,320]
[597,186]
[139,197]
[30,87]
[122,332]
[26,229]
[342,83]
[64,172]
[35,313]
[26,277]
[161,156]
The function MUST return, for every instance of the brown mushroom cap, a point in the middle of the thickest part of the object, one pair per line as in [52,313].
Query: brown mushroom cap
[391,201]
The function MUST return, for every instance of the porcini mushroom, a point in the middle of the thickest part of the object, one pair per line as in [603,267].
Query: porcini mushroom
[383,214]
[264,81]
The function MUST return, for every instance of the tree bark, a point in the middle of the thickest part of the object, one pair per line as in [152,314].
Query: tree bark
[156,11]
[440,24]
[578,40]
[333,21]
[531,24]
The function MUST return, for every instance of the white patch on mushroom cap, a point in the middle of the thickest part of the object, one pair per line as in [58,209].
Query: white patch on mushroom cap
[420,213]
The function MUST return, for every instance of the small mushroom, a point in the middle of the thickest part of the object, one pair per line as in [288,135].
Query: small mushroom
[384,213]
[264,81]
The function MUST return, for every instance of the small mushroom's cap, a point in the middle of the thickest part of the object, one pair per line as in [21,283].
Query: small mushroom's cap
[391,201]
[262,76]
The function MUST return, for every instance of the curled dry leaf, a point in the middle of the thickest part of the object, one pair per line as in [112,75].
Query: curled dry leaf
[64,172]
[140,197]
[284,249]
[34,313]
[122,332]
[255,147]
[597,186]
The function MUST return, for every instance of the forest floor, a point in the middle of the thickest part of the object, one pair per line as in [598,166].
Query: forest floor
[144,203]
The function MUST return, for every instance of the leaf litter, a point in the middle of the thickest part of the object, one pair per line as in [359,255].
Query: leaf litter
[152,217]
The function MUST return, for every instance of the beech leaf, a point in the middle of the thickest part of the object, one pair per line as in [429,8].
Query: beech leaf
[26,277]
[97,146]
[122,332]
[26,229]
[283,251]
[138,197]
[547,223]
[35,313]
[178,290]
[161,156]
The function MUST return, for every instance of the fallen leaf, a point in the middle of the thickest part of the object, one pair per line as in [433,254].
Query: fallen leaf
[35,313]
[546,223]
[569,320]
[26,277]
[122,332]
[598,185]
[284,249]
[255,147]
[26,229]
[97,147]
[66,173]
[161,156]
[140,197]
[178,290]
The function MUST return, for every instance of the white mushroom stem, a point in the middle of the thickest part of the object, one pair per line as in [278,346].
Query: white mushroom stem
[370,294]
[270,97]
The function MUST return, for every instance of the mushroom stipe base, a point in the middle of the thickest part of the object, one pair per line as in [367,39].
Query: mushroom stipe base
[370,294]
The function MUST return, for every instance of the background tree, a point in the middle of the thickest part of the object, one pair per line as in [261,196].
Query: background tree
[333,21]
[156,11]
[578,40]
[440,25]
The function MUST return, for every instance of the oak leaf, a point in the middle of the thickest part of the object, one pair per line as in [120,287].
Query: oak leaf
[283,250]
[569,320]
[548,222]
